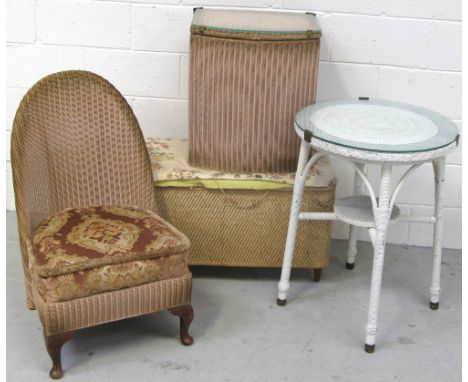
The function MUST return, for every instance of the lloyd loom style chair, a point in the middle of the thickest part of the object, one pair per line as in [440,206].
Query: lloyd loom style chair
[93,249]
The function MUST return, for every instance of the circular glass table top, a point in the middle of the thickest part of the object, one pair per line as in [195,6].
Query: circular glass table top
[377,125]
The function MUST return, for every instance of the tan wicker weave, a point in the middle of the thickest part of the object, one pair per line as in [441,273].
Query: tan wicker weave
[76,143]
[245,89]
[246,227]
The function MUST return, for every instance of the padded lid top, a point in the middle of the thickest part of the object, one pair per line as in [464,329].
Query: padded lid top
[169,161]
[229,20]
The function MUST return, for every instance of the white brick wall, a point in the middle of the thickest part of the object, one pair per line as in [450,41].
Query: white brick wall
[394,49]
[84,23]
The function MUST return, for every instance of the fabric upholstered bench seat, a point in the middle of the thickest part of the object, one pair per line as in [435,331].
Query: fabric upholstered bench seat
[239,219]
[85,251]
[169,161]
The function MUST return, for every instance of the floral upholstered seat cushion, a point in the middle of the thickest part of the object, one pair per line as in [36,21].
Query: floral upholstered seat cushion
[110,277]
[171,168]
[84,238]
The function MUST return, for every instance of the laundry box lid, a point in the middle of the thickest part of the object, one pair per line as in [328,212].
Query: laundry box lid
[248,24]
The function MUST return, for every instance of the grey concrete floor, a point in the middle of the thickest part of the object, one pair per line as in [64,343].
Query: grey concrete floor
[242,335]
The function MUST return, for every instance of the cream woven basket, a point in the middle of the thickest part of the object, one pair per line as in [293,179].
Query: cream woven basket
[236,219]
[247,228]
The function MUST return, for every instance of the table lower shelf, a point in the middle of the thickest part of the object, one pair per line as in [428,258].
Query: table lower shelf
[357,210]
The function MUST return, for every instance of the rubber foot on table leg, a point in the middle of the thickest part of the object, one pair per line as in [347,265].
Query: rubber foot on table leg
[281,302]
[434,305]
[369,348]
[349,265]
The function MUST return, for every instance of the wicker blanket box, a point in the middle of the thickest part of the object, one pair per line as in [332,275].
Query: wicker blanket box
[240,219]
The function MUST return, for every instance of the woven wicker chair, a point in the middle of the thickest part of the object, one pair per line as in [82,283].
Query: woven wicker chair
[93,251]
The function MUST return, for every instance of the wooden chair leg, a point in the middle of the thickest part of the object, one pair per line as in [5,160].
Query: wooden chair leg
[185,313]
[54,347]
[317,274]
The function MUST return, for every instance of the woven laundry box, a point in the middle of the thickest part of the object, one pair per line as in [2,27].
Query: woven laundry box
[250,72]
[240,219]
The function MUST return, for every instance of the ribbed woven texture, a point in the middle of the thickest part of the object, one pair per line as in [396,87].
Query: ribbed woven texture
[112,306]
[247,228]
[75,143]
[243,98]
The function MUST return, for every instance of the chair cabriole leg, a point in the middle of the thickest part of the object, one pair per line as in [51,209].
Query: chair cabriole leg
[186,314]
[54,348]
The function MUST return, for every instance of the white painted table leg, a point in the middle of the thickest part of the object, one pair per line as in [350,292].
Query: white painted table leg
[353,230]
[439,179]
[381,216]
[352,246]
[283,285]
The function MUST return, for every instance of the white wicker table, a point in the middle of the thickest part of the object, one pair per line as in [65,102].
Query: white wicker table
[379,132]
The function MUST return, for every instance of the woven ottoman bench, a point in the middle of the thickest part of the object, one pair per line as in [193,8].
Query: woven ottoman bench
[240,220]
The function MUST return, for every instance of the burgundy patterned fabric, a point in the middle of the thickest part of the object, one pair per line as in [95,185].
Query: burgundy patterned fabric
[84,238]
[110,277]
